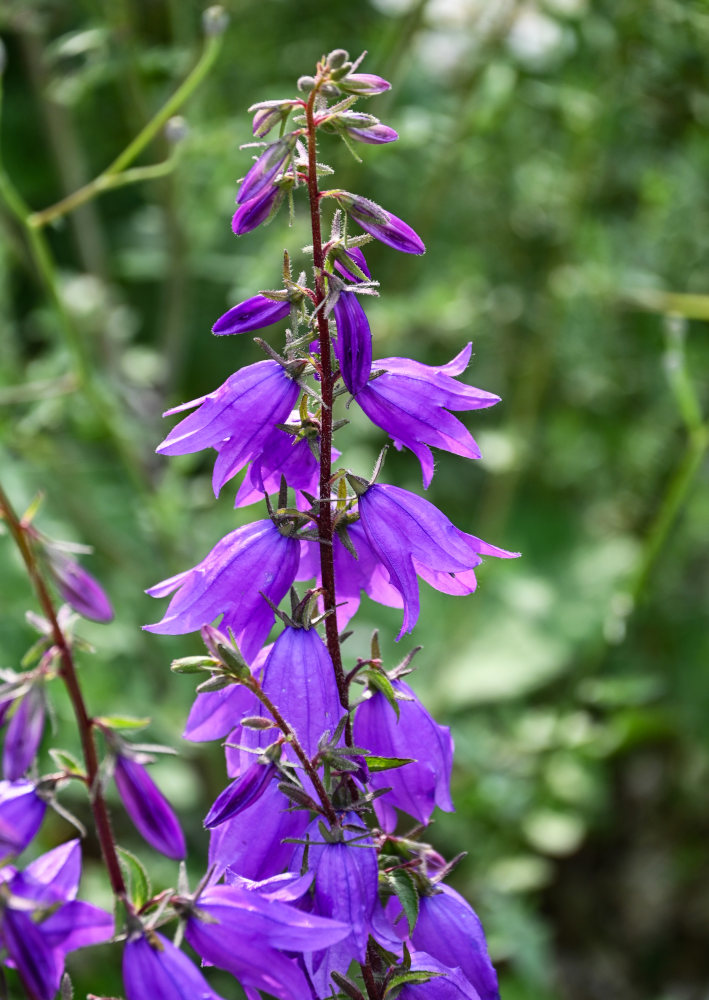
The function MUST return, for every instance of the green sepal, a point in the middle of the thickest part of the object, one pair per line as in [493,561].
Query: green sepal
[379,680]
[422,976]
[122,722]
[139,888]
[376,764]
[66,761]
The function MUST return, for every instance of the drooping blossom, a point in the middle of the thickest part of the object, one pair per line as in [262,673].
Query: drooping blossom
[148,808]
[235,419]
[346,876]
[21,814]
[228,582]
[154,969]
[449,929]
[247,933]
[42,920]
[418,787]
[375,220]
[444,984]
[24,733]
[252,314]
[77,587]
[265,168]
[255,211]
[410,401]
[364,84]
[412,537]
[360,126]
[244,791]
[353,346]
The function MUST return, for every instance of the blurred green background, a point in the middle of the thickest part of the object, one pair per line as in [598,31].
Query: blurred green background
[553,156]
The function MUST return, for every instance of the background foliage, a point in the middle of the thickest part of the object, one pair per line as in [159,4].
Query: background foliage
[553,156]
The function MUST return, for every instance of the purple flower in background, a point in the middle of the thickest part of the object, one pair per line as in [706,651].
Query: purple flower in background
[346,876]
[78,588]
[246,790]
[24,733]
[236,418]
[265,168]
[37,938]
[449,929]
[410,401]
[412,537]
[253,314]
[447,984]
[21,815]
[418,787]
[253,212]
[148,808]
[299,678]
[242,931]
[228,581]
[154,969]
[353,346]
[375,220]
[251,843]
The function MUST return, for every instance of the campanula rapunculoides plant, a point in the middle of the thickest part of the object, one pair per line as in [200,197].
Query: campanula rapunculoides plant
[318,882]
[336,767]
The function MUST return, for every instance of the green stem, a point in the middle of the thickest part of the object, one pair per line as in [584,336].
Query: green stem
[104,180]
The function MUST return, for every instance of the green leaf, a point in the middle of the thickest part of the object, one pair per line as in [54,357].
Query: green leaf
[122,722]
[66,761]
[404,886]
[410,977]
[387,763]
[139,889]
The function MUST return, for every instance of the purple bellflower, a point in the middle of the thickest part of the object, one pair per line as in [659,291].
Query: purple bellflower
[449,929]
[411,536]
[42,920]
[418,787]
[253,314]
[148,808]
[359,125]
[265,168]
[243,792]
[24,733]
[236,419]
[21,814]
[258,210]
[445,984]
[154,969]
[353,346]
[228,581]
[78,588]
[243,932]
[346,876]
[410,401]
[365,84]
[375,220]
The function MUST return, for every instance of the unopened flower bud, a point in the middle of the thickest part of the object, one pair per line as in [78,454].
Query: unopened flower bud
[214,21]
[337,58]
[176,129]
[306,83]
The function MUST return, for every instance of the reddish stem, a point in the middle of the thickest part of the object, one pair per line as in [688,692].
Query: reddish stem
[68,674]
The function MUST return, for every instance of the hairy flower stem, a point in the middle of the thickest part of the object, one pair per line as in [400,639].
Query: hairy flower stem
[84,722]
[325,525]
[298,749]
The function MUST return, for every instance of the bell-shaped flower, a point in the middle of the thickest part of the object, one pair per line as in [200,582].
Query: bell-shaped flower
[410,401]
[253,559]
[254,842]
[236,418]
[154,969]
[299,678]
[412,537]
[265,168]
[353,346]
[148,808]
[253,314]
[449,929]
[444,984]
[375,220]
[418,787]
[243,932]
[42,920]
[21,814]
[353,574]
[258,210]
[346,879]
[77,587]
[24,733]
